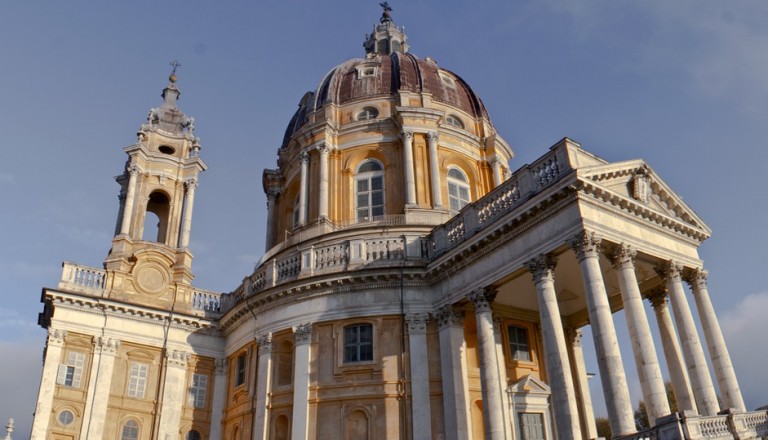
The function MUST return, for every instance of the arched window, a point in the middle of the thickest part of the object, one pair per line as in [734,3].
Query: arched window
[358,343]
[458,189]
[280,429]
[368,113]
[454,120]
[357,425]
[130,430]
[369,191]
[194,435]
[159,205]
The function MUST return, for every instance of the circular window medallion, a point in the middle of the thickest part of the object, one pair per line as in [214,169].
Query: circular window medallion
[166,149]
[66,417]
[151,278]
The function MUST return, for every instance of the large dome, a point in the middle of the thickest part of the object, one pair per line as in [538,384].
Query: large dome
[380,75]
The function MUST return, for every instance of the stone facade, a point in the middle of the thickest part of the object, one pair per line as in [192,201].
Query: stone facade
[412,287]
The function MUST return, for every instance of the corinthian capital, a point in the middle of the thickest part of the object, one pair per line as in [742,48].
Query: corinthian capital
[56,336]
[134,169]
[323,148]
[433,136]
[407,135]
[417,322]
[585,245]
[190,183]
[482,299]
[265,343]
[622,256]
[696,278]
[542,267]
[657,297]
[304,156]
[670,270]
[449,316]
[303,333]
[106,345]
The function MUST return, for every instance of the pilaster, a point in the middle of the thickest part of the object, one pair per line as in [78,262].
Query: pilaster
[410,179]
[434,170]
[300,422]
[263,386]
[453,366]
[173,394]
[44,409]
[99,383]
[219,397]
[419,365]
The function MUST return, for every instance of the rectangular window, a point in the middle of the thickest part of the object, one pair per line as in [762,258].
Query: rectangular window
[197,390]
[71,373]
[518,343]
[532,426]
[358,343]
[137,380]
[240,378]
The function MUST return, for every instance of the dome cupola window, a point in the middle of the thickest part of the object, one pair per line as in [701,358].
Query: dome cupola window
[369,191]
[455,121]
[368,113]
[458,189]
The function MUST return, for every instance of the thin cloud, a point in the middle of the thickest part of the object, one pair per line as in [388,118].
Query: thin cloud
[744,328]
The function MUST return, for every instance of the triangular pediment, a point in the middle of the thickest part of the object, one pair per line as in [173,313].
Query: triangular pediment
[635,186]
[529,384]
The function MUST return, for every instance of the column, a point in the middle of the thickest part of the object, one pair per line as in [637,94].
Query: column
[173,394]
[272,195]
[555,353]
[693,352]
[718,351]
[303,183]
[189,201]
[300,420]
[617,400]
[43,411]
[434,170]
[419,364]
[263,386]
[99,383]
[646,362]
[581,383]
[672,353]
[498,175]
[410,179]
[323,208]
[498,328]
[453,369]
[219,397]
[489,373]
[129,198]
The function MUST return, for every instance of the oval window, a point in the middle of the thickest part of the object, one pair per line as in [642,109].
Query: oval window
[66,417]
[368,113]
[166,149]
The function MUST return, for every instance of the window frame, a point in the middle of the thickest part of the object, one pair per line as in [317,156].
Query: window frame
[358,344]
[70,372]
[458,184]
[368,177]
[137,385]
[523,415]
[241,367]
[197,393]
[136,428]
[367,113]
[455,121]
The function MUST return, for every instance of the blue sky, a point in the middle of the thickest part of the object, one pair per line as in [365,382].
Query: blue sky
[681,84]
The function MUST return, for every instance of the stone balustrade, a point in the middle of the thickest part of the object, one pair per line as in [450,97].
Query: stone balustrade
[689,426]
[82,278]
[521,186]
[206,301]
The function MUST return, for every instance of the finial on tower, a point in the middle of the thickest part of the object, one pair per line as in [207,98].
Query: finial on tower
[175,64]
[387,14]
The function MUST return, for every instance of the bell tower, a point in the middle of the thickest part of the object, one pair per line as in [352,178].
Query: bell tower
[150,257]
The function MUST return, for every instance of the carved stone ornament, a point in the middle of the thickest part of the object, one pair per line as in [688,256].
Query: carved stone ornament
[134,169]
[265,343]
[56,336]
[585,245]
[641,186]
[574,335]
[670,270]
[658,297]
[433,136]
[304,156]
[221,365]
[482,299]
[542,267]
[449,316]
[622,256]
[696,278]
[190,184]
[106,345]
[407,136]
[303,333]
[417,322]
[323,148]
[177,358]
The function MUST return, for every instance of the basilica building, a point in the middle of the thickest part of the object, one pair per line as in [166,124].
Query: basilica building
[413,285]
